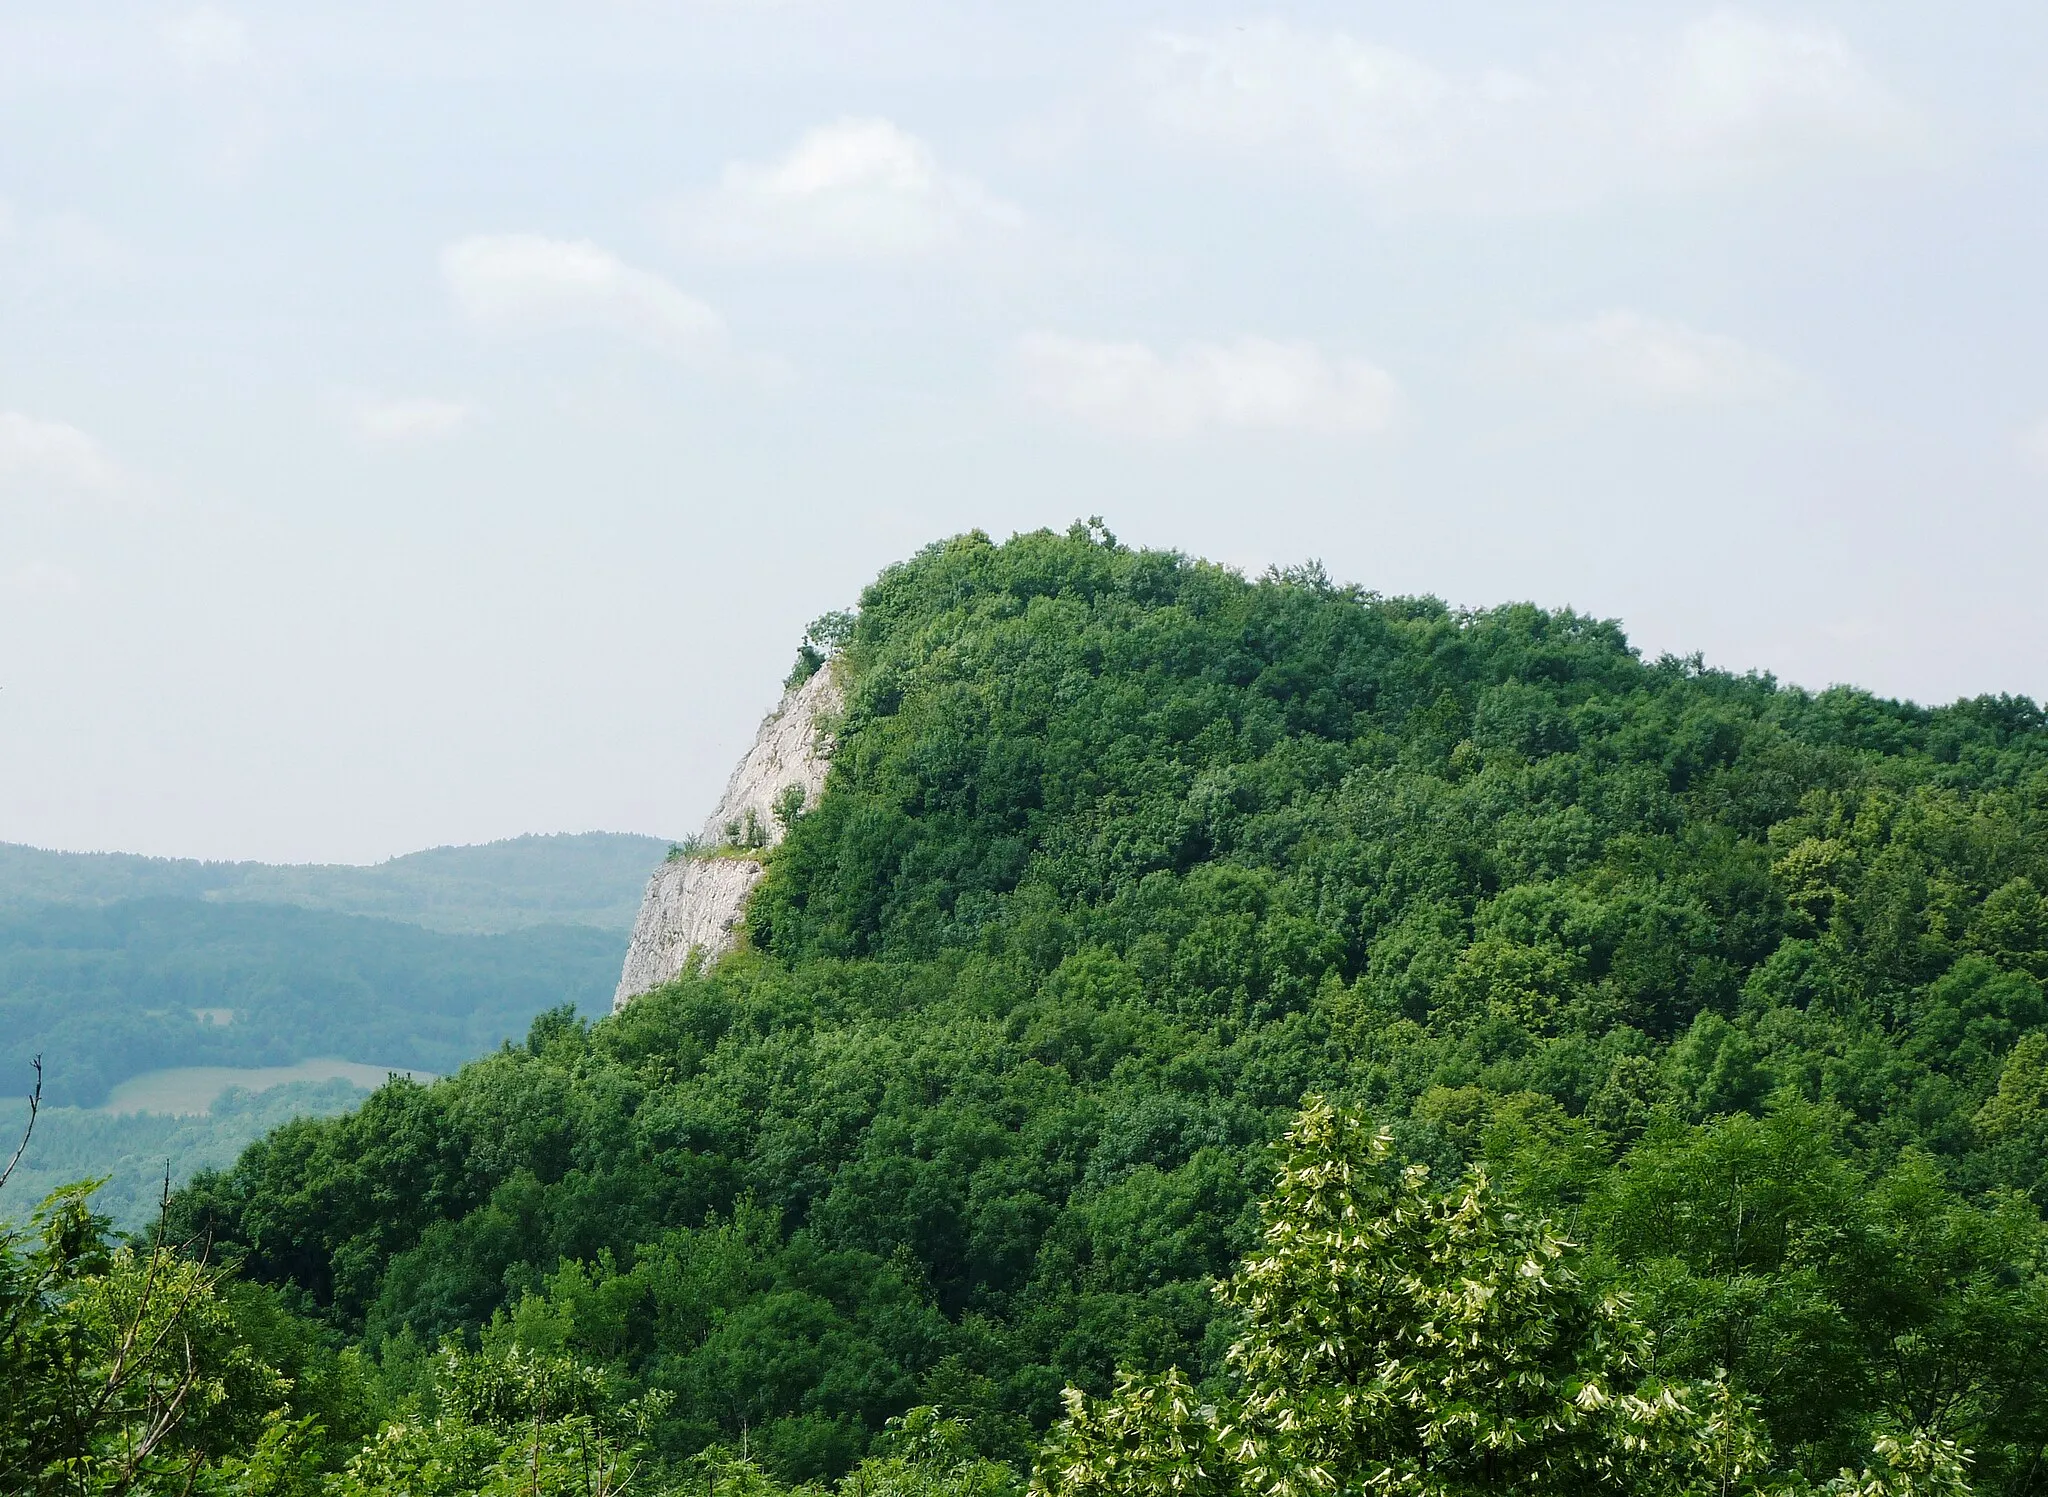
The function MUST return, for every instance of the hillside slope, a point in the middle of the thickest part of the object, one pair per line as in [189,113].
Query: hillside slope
[1119,856]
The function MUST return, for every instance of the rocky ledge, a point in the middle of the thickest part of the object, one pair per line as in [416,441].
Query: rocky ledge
[694,903]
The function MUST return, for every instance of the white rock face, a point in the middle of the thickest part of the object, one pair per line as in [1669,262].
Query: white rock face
[695,904]
[692,904]
[786,752]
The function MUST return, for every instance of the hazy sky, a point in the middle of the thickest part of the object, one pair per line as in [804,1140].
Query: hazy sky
[429,422]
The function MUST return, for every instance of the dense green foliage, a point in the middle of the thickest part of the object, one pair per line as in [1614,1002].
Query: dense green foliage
[141,1368]
[1396,1337]
[1121,856]
[582,878]
[137,1367]
[1392,1337]
[105,992]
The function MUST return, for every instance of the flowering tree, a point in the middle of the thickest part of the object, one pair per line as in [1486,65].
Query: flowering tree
[1398,1339]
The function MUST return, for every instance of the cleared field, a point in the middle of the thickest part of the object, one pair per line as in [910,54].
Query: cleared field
[193,1089]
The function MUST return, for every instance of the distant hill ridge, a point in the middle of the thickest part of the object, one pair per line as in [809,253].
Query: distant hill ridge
[571,878]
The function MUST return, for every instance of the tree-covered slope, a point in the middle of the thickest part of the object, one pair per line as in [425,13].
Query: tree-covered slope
[1121,856]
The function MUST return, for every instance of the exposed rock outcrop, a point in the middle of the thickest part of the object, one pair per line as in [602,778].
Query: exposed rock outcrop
[692,904]
[787,751]
[695,903]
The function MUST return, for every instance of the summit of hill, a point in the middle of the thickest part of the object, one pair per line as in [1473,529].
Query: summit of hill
[1120,856]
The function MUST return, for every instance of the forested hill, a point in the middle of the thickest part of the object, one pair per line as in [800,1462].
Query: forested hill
[582,878]
[1123,854]
[112,965]
[105,993]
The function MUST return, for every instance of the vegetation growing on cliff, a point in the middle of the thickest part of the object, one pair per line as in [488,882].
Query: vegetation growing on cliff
[1734,985]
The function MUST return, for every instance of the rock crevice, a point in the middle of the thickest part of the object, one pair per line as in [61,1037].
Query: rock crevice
[695,902]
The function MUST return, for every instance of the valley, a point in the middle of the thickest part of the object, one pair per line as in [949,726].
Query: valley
[150,987]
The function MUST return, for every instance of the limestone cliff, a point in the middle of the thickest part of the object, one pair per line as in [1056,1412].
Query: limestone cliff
[787,751]
[691,904]
[695,903]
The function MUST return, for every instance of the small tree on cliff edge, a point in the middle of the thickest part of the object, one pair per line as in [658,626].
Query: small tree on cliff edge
[1401,1340]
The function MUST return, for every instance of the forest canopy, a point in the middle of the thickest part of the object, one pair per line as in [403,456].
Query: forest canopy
[1731,988]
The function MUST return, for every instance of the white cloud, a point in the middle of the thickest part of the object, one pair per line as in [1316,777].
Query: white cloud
[522,283]
[1729,94]
[860,189]
[1377,110]
[1252,384]
[40,579]
[208,40]
[62,247]
[1744,88]
[43,458]
[1646,360]
[76,244]
[227,91]
[394,422]
[2033,445]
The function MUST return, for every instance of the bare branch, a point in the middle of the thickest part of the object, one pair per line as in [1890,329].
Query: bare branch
[171,1413]
[35,1103]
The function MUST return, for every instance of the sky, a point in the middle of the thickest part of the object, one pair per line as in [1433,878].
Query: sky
[425,423]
